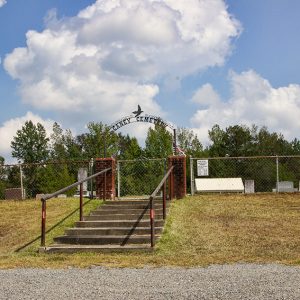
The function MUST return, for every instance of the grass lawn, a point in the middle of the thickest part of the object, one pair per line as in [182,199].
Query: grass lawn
[200,230]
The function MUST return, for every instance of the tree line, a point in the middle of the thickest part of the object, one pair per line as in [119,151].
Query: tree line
[32,144]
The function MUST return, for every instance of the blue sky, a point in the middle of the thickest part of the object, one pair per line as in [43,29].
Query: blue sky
[225,62]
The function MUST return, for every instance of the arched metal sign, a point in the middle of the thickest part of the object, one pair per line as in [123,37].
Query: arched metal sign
[137,117]
[140,119]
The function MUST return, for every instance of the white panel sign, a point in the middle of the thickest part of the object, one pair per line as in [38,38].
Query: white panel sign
[202,167]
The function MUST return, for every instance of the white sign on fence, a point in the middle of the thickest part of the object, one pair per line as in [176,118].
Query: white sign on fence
[202,167]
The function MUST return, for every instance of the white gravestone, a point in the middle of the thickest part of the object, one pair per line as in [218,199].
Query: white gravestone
[249,187]
[82,174]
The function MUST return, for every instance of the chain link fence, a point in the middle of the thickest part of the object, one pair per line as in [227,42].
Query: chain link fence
[268,173]
[25,181]
[138,178]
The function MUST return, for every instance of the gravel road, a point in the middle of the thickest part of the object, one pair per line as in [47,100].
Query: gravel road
[239,281]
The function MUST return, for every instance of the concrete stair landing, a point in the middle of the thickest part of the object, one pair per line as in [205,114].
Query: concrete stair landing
[120,225]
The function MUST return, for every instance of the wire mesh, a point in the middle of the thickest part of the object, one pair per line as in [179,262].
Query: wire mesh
[267,172]
[137,178]
[29,180]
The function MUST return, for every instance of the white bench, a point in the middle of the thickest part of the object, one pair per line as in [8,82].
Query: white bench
[210,185]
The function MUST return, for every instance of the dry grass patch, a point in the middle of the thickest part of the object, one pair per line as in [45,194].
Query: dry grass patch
[20,221]
[235,228]
[200,230]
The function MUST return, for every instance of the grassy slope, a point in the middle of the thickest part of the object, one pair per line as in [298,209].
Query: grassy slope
[200,230]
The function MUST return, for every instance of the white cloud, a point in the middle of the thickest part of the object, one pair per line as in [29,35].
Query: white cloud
[206,96]
[9,128]
[2,2]
[101,63]
[253,101]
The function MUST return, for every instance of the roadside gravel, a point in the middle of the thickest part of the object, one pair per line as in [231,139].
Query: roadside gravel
[238,281]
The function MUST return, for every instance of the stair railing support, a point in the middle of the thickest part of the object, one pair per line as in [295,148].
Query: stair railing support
[81,202]
[152,222]
[61,191]
[164,200]
[161,186]
[43,225]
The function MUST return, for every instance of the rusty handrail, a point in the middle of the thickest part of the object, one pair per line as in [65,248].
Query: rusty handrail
[161,185]
[49,196]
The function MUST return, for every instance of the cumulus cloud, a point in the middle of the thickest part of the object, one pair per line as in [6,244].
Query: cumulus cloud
[110,57]
[9,128]
[253,101]
[2,2]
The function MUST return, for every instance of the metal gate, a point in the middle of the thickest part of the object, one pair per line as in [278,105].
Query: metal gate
[138,178]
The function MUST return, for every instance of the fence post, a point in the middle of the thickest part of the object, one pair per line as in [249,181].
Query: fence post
[152,216]
[21,182]
[164,201]
[277,174]
[91,183]
[192,176]
[119,179]
[43,225]
[80,201]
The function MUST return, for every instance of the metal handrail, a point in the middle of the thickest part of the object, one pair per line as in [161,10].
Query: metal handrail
[49,196]
[161,185]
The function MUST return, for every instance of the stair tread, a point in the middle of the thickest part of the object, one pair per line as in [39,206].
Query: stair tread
[71,248]
[104,228]
[105,236]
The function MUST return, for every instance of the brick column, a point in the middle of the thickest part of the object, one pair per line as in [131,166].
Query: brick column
[107,179]
[179,175]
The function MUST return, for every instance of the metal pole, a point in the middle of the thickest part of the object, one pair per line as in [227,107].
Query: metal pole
[277,174]
[152,216]
[164,200]
[21,181]
[170,186]
[174,142]
[81,202]
[104,187]
[43,225]
[119,179]
[91,172]
[104,143]
[173,188]
[192,176]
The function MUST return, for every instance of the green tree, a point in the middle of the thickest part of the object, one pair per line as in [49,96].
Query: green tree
[58,147]
[188,141]
[97,138]
[159,142]
[129,148]
[30,143]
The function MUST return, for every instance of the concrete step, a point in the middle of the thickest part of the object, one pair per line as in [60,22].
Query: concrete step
[69,248]
[124,211]
[127,207]
[111,231]
[116,223]
[123,218]
[115,217]
[132,202]
[136,205]
[103,240]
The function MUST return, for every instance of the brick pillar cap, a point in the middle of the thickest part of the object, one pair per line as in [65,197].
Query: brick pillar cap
[105,159]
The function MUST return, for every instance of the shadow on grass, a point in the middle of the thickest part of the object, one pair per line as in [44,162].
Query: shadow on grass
[50,229]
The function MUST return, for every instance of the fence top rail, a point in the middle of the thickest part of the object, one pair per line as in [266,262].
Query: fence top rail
[48,196]
[141,159]
[54,162]
[161,183]
[247,157]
